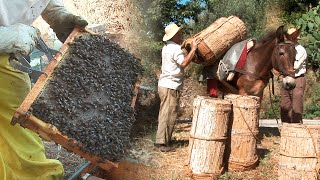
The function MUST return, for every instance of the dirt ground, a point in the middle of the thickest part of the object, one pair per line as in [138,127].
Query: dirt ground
[145,162]
[174,165]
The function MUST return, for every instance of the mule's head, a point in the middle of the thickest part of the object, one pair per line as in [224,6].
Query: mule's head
[283,57]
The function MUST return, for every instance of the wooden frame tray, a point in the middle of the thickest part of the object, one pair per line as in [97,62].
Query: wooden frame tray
[47,131]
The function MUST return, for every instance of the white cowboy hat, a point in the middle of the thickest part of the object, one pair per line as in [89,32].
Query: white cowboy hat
[291,30]
[170,31]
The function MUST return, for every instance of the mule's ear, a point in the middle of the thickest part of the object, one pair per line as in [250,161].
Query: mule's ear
[280,33]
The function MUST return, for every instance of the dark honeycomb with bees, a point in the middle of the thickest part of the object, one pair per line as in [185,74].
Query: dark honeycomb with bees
[88,97]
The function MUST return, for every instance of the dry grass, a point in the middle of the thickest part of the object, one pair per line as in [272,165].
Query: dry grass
[148,163]
[173,165]
[273,14]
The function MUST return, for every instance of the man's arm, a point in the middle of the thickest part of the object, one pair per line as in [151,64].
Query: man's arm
[60,20]
[18,38]
[186,61]
[300,57]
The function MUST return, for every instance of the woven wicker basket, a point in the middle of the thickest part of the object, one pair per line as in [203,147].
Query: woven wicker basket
[217,39]
[208,136]
[244,132]
[299,150]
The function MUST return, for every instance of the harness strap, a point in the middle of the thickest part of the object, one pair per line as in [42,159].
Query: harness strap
[271,102]
[272,81]
[246,73]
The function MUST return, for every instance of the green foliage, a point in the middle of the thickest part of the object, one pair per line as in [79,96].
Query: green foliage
[250,11]
[159,13]
[194,70]
[312,109]
[272,111]
[309,23]
[298,5]
[150,53]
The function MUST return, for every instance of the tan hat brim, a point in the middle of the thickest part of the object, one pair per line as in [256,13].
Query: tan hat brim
[167,37]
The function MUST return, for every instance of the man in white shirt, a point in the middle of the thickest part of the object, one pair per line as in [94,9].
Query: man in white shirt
[170,83]
[292,100]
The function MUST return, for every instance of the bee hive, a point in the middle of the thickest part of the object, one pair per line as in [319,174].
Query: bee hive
[88,96]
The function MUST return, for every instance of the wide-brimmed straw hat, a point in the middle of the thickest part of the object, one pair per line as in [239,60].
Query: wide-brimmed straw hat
[292,30]
[170,31]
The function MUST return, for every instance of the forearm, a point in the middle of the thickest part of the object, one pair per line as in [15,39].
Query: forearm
[6,36]
[17,38]
[188,58]
[60,20]
[54,9]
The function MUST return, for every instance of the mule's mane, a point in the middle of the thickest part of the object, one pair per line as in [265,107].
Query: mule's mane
[267,37]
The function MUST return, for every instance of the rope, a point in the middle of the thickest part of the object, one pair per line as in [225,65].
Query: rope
[222,67]
[213,175]
[272,107]
[244,133]
[248,125]
[314,147]
[283,154]
[245,165]
[210,139]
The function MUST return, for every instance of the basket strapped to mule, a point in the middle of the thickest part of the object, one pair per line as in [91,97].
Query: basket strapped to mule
[208,136]
[299,152]
[217,39]
[244,131]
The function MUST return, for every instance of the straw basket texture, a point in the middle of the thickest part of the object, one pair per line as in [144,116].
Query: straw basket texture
[244,132]
[208,136]
[217,39]
[299,152]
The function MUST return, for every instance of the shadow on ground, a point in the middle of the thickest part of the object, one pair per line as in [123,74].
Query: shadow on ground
[268,132]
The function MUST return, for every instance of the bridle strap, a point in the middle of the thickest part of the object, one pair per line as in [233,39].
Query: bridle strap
[287,42]
[281,74]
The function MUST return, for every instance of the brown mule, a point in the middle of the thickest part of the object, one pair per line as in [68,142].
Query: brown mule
[275,50]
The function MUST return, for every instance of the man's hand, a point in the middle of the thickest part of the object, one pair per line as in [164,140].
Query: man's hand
[18,38]
[194,44]
[60,20]
[65,23]
[191,54]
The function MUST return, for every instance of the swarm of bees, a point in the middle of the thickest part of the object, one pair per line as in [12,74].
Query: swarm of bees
[88,97]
